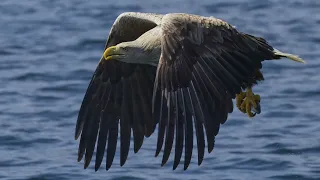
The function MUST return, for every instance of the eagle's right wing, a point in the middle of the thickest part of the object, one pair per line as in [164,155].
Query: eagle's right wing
[204,63]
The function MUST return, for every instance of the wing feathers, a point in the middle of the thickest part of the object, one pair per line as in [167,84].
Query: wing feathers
[102,141]
[103,129]
[179,130]
[208,104]
[117,91]
[125,123]
[112,142]
[204,63]
[169,130]
[127,27]
[162,125]
[138,129]
[188,128]
[199,119]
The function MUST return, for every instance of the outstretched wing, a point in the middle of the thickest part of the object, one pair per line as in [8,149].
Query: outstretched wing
[131,25]
[117,91]
[204,63]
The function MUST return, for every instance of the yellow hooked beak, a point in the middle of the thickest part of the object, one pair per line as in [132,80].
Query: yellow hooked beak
[113,52]
[109,52]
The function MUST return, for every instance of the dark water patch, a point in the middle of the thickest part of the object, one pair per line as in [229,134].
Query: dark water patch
[281,113]
[36,76]
[228,146]
[292,176]
[92,43]
[220,7]
[64,117]
[235,122]
[266,135]
[55,176]
[261,164]
[314,39]
[49,115]
[315,93]
[3,125]
[285,151]
[9,93]
[11,65]
[124,8]
[16,47]
[127,177]
[19,164]
[310,150]
[82,74]
[15,9]
[300,28]
[287,106]
[46,98]
[288,22]
[27,130]
[42,140]
[13,141]
[258,6]
[281,149]
[305,4]
[311,117]
[71,87]
[4,52]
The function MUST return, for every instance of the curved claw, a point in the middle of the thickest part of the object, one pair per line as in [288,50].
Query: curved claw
[248,103]
[250,114]
[253,101]
[257,110]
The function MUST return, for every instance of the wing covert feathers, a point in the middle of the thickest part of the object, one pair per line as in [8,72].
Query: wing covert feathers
[204,63]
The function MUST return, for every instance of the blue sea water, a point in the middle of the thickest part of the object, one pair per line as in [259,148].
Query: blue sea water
[49,50]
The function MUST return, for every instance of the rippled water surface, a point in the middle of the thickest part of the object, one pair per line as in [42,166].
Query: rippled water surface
[49,50]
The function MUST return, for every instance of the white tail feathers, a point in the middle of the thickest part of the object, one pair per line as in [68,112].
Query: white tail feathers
[289,56]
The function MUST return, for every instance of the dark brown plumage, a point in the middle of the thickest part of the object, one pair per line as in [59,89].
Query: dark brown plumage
[204,63]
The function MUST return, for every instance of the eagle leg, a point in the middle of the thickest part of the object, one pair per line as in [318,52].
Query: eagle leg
[245,101]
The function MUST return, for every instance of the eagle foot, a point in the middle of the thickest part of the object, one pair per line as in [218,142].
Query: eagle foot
[247,101]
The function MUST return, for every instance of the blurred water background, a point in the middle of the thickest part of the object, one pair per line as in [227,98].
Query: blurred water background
[49,50]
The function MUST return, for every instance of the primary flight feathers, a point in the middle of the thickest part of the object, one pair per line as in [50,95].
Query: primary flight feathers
[179,71]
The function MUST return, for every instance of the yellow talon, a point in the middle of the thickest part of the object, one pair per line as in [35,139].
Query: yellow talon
[243,107]
[239,100]
[248,110]
[248,100]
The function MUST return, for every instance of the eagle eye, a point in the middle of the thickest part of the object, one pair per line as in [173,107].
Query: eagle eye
[125,48]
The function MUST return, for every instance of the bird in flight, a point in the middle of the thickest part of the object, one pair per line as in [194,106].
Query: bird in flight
[178,71]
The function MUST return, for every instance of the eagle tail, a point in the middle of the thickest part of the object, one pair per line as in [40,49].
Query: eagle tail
[293,57]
